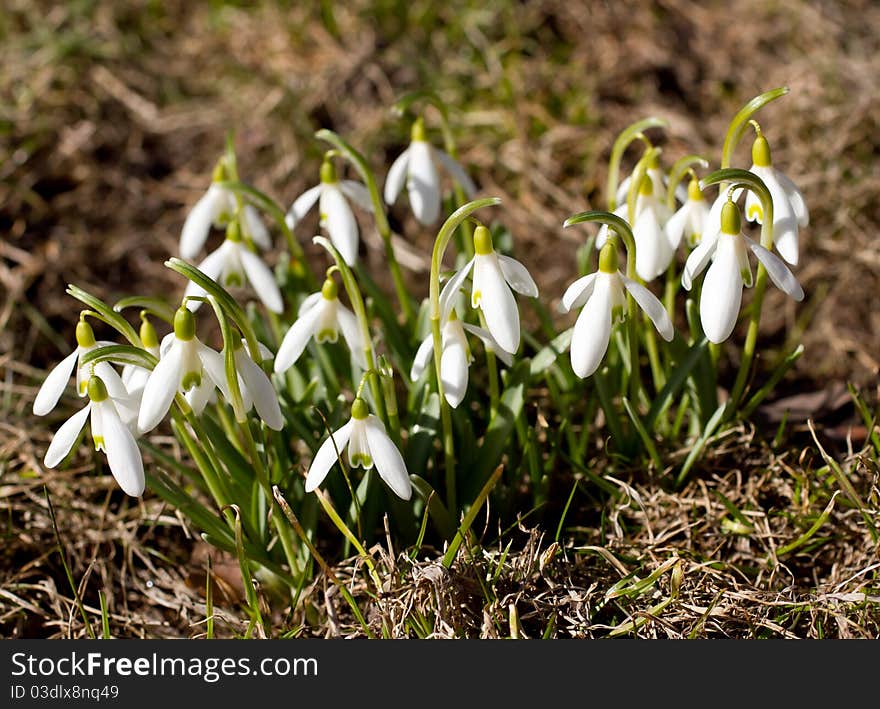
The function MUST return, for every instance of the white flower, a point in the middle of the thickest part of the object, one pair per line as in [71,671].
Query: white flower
[133,376]
[730,271]
[494,275]
[368,446]
[321,316]
[256,388]
[603,298]
[109,434]
[216,208]
[654,251]
[335,213]
[186,366]
[691,218]
[789,207]
[455,357]
[56,381]
[234,265]
[658,177]
[416,166]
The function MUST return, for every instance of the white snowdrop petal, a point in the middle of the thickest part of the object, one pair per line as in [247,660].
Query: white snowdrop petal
[357,193]
[489,343]
[604,231]
[450,289]
[696,262]
[592,331]
[65,437]
[327,455]
[456,171]
[387,459]
[798,204]
[262,280]
[675,227]
[123,454]
[454,369]
[200,396]
[653,252]
[785,222]
[517,276]
[301,205]
[654,309]
[212,266]
[309,302]
[358,448]
[340,223]
[198,222]
[296,339]
[423,183]
[53,387]
[779,273]
[422,358]
[214,368]
[396,177]
[578,292]
[255,228]
[498,305]
[722,293]
[265,400]
[351,333]
[160,389]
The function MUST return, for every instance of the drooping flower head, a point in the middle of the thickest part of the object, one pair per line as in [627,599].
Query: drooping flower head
[109,434]
[416,167]
[730,270]
[332,195]
[789,208]
[602,299]
[134,377]
[494,275]
[321,316]
[368,446]
[690,219]
[233,265]
[217,207]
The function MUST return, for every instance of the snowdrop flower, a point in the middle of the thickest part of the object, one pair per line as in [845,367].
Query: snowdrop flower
[134,377]
[789,207]
[494,275]
[603,298]
[186,366]
[658,177]
[321,316]
[654,252]
[335,213]
[368,446]
[56,381]
[217,207]
[730,271]
[109,434]
[416,167]
[234,265]
[455,357]
[690,220]
[256,388]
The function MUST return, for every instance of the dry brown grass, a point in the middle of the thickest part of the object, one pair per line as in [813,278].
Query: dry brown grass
[111,119]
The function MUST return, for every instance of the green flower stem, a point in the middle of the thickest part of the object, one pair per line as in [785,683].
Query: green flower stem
[741,121]
[381,219]
[386,375]
[748,180]
[623,230]
[360,311]
[440,244]
[677,172]
[626,136]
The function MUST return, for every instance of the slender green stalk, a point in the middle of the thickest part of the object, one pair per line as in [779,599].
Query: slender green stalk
[440,244]
[740,122]
[379,215]
[626,136]
[679,169]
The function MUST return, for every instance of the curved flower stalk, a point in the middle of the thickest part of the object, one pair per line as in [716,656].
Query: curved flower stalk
[217,207]
[368,446]
[789,208]
[56,381]
[332,195]
[109,433]
[322,317]
[690,221]
[186,366]
[654,251]
[416,167]
[234,265]
[730,270]
[495,276]
[456,356]
[601,297]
